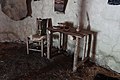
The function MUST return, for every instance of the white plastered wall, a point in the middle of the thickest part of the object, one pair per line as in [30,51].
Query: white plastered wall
[105,19]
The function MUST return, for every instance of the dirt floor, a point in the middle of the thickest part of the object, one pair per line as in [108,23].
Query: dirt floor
[15,64]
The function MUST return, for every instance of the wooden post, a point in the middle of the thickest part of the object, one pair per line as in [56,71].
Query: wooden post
[77,49]
[49,37]
[94,46]
[90,36]
[89,45]
[76,53]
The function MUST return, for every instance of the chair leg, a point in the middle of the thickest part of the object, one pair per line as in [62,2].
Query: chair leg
[48,44]
[42,46]
[27,43]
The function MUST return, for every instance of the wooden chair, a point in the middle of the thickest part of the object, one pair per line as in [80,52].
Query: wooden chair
[38,41]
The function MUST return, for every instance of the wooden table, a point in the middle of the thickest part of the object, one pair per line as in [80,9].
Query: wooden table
[90,37]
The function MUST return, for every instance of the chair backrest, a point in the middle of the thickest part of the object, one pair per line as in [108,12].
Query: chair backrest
[42,25]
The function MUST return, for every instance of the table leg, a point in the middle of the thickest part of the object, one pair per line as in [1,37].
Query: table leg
[60,40]
[89,45]
[84,47]
[76,54]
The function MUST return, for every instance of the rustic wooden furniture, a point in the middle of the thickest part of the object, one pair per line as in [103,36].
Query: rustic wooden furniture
[78,34]
[36,42]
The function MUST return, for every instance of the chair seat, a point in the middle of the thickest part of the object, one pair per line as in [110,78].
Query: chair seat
[36,37]
[34,42]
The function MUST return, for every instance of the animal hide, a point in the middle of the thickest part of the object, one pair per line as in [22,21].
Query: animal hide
[16,9]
